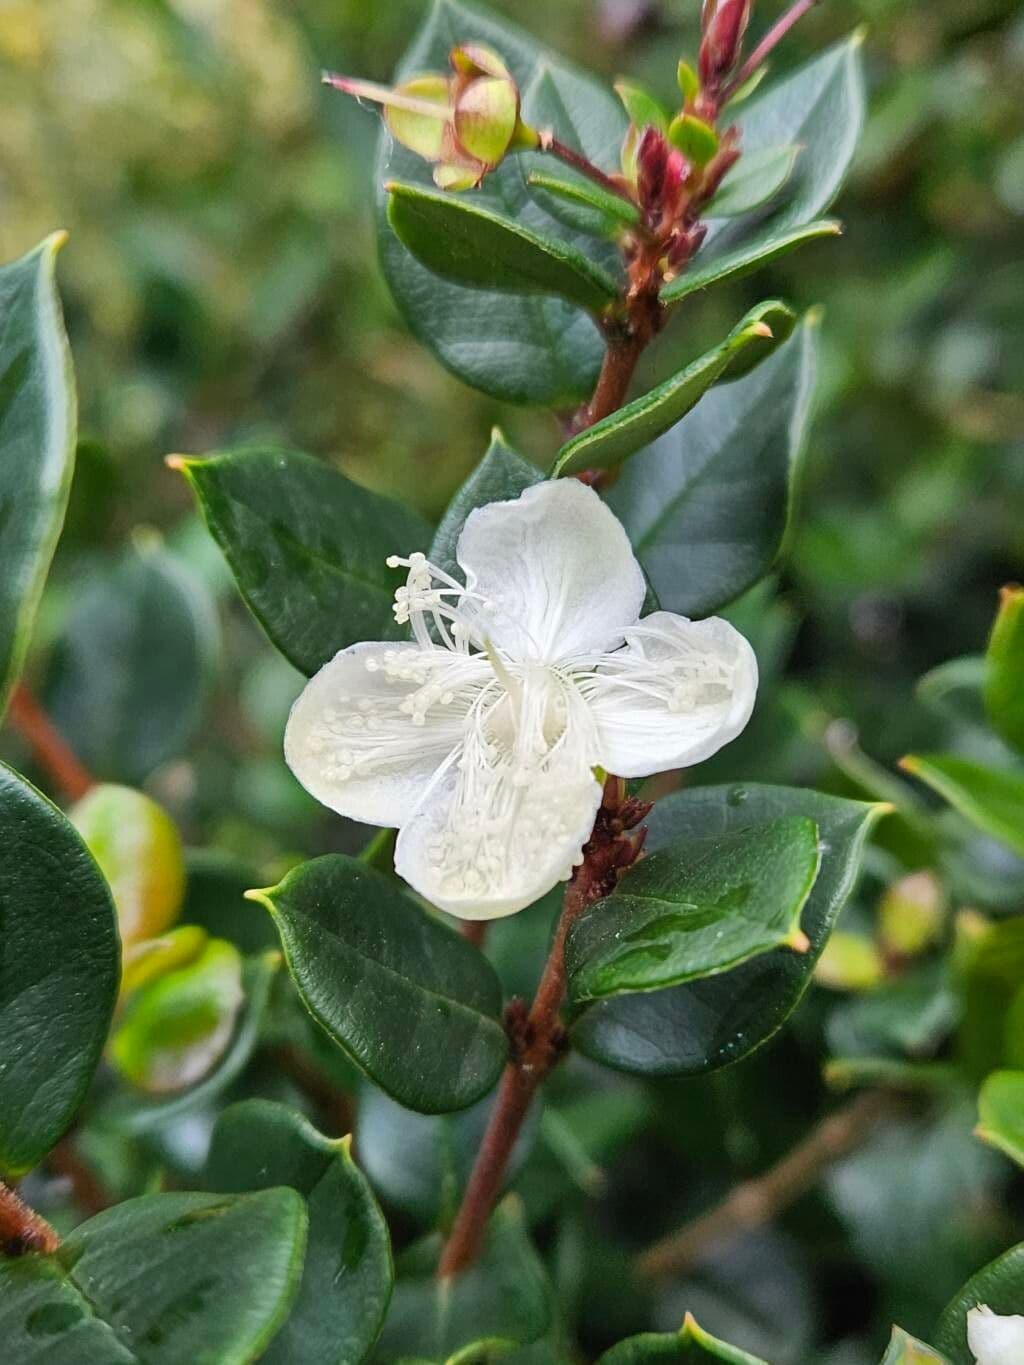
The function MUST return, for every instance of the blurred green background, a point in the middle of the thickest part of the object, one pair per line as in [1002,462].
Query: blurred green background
[221,286]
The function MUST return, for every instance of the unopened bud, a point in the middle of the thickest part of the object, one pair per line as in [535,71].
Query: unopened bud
[724,23]
[651,161]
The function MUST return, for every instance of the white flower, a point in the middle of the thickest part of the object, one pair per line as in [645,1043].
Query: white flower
[995,1340]
[479,741]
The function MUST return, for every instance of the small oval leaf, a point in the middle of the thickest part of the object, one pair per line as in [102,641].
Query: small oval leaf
[990,798]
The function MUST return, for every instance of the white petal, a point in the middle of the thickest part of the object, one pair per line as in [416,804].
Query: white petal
[557,568]
[503,823]
[993,1339]
[675,694]
[353,746]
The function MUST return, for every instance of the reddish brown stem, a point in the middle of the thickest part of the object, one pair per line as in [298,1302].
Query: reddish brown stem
[21,1228]
[87,1190]
[756,1202]
[49,748]
[767,45]
[550,143]
[538,1039]
[474,931]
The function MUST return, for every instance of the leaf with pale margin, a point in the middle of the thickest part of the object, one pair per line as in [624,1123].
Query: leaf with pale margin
[708,505]
[703,1025]
[520,348]
[609,442]
[999,1285]
[820,108]
[690,1343]
[1004,668]
[903,1349]
[1001,1113]
[59,972]
[307,547]
[159,1280]
[347,1276]
[694,909]
[410,1001]
[37,444]
[990,798]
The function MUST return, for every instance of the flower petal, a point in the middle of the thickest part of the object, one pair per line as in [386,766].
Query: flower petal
[995,1339]
[556,568]
[503,823]
[675,694]
[373,726]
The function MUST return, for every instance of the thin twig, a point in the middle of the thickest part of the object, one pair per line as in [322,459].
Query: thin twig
[768,43]
[537,1038]
[49,748]
[757,1201]
[579,162]
[22,1229]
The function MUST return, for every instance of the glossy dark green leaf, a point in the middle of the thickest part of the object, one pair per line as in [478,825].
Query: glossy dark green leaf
[1004,668]
[129,683]
[607,443]
[130,1112]
[346,1280]
[1000,1285]
[500,476]
[990,798]
[59,972]
[1001,1113]
[708,505]
[307,548]
[694,909]
[702,1025]
[756,178]
[159,1280]
[820,107]
[526,349]
[690,1343]
[468,245]
[37,444]
[903,1349]
[501,1301]
[409,1000]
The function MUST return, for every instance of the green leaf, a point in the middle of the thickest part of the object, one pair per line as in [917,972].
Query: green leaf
[129,683]
[500,1301]
[59,972]
[903,1349]
[159,1280]
[1001,1113]
[643,109]
[523,348]
[756,178]
[695,909]
[471,246]
[612,210]
[690,1343]
[37,444]
[215,887]
[176,1029]
[346,1281]
[1004,668]
[609,442]
[990,798]
[501,476]
[409,1000]
[702,1025]
[1000,1285]
[307,548]
[130,1112]
[696,139]
[819,108]
[708,505]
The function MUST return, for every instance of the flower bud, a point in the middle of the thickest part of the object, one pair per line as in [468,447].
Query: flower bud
[465,123]
[724,23]
[651,162]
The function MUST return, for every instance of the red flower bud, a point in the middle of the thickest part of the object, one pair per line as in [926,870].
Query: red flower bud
[724,22]
[651,164]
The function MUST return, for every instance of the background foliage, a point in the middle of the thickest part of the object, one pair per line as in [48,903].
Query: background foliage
[220,287]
